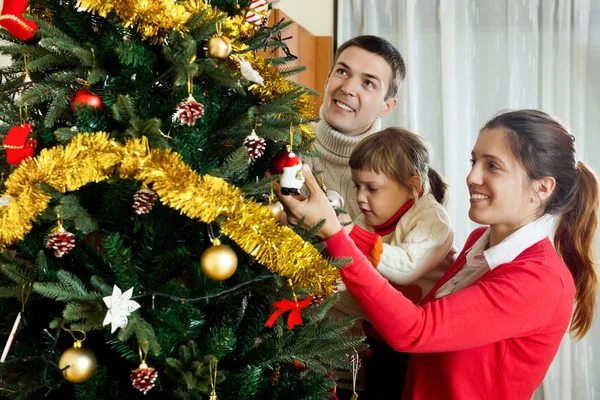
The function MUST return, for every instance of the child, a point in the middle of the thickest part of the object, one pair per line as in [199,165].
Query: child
[403,230]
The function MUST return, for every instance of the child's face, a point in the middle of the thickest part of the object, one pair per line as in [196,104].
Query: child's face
[378,196]
[355,91]
[501,194]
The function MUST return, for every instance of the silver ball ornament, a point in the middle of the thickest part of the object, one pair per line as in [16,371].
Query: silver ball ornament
[335,199]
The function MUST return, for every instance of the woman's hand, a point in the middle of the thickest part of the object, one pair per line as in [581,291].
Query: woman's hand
[346,222]
[314,208]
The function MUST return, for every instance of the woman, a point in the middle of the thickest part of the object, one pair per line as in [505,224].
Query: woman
[492,325]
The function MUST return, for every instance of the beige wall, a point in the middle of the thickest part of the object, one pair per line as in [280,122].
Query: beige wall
[316,16]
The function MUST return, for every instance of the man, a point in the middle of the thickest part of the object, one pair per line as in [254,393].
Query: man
[360,89]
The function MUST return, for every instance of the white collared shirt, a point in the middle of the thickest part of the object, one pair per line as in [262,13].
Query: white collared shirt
[479,260]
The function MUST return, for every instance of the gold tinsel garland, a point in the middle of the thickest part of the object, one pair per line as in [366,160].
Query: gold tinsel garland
[95,157]
[148,17]
[153,19]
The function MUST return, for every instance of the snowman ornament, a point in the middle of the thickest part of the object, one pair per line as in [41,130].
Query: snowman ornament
[291,180]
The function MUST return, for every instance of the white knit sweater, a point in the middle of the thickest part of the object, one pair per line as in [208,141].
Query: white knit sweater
[335,148]
[412,252]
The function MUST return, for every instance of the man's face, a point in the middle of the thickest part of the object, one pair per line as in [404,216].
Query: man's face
[355,91]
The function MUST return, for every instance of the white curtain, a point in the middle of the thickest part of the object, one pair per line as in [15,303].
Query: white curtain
[467,60]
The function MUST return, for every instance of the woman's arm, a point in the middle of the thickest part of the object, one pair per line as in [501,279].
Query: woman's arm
[515,300]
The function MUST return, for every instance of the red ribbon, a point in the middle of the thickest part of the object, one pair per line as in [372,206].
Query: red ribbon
[294,307]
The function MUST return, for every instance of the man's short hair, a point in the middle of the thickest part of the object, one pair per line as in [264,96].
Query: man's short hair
[384,49]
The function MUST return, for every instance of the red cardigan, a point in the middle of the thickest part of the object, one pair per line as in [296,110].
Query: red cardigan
[492,340]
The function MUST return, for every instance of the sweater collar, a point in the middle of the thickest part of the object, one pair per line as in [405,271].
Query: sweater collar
[335,145]
[388,227]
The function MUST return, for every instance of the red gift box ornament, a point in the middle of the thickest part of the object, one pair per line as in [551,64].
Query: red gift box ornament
[19,146]
[11,18]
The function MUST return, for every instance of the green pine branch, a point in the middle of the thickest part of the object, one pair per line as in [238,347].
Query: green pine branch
[191,369]
[19,275]
[235,167]
[144,334]
[69,287]
[293,70]
[120,259]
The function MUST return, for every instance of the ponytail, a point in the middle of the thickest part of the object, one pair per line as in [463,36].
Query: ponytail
[437,186]
[574,241]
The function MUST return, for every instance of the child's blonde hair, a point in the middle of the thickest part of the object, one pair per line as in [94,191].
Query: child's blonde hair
[400,154]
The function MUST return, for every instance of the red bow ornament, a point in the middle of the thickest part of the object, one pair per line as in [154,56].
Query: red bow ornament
[294,307]
[19,146]
[11,18]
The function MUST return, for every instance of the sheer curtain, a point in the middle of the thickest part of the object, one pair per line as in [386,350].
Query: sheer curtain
[468,59]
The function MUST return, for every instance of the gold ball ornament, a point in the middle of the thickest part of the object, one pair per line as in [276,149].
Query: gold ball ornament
[276,209]
[77,364]
[219,261]
[219,47]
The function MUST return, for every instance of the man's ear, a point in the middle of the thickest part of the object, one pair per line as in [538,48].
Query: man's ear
[389,106]
[415,184]
[326,81]
[544,187]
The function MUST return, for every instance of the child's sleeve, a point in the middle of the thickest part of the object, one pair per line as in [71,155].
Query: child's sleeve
[425,245]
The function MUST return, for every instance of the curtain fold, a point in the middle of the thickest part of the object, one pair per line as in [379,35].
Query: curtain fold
[467,60]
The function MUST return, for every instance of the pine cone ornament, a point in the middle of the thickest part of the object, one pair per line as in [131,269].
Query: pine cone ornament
[188,111]
[62,241]
[255,145]
[317,300]
[143,378]
[143,200]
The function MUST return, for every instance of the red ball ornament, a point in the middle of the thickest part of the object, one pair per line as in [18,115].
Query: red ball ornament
[299,366]
[278,162]
[85,97]
[11,18]
[19,146]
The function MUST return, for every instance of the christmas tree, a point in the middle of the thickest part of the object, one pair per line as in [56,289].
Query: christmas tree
[141,251]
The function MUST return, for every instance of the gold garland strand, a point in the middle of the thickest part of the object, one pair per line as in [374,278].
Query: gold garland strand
[94,157]
[148,17]
[153,19]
